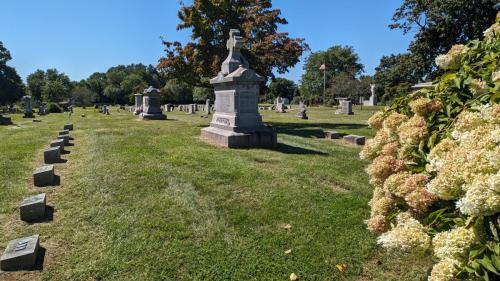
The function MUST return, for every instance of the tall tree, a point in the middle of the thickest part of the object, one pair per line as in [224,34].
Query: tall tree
[395,75]
[11,85]
[96,83]
[281,87]
[438,25]
[338,60]
[57,86]
[210,22]
[35,82]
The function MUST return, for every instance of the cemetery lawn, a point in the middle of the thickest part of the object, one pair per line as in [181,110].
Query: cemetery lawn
[148,200]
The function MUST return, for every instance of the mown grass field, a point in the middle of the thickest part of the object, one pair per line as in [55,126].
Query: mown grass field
[148,200]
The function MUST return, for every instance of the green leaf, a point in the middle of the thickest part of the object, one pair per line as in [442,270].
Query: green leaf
[486,262]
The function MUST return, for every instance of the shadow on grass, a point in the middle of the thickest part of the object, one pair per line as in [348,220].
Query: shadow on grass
[312,130]
[288,149]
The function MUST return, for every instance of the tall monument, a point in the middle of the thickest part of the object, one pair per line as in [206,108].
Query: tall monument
[237,122]
[151,108]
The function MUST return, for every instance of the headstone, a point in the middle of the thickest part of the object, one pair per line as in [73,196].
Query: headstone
[138,103]
[207,106]
[65,138]
[333,135]
[5,120]
[358,140]
[192,108]
[151,105]
[280,105]
[345,106]
[68,126]
[44,175]
[64,132]
[372,101]
[52,155]
[59,143]
[28,107]
[302,111]
[237,122]
[33,207]
[20,254]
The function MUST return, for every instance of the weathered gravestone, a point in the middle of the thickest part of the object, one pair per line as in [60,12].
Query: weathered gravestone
[65,138]
[52,155]
[68,127]
[302,111]
[358,140]
[345,106]
[64,132]
[207,106]
[138,103]
[44,176]
[192,108]
[151,109]
[28,107]
[280,105]
[237,122]
[333,135]
[33,207]
[20,254]
[58,143]
[5,120]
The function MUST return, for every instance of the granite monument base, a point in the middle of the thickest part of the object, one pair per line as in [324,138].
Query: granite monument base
[145,116]
[260,138]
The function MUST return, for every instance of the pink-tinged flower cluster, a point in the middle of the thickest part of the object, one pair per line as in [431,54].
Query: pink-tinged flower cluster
[382,167]
[412,131]
[425,106]
[478,87]
[407,236]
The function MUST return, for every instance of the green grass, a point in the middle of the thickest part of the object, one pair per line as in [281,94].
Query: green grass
[148,200]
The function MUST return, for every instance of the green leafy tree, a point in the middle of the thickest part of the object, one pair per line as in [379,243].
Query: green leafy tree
[281,87]
[35,83]
[11,85]
[50,86]
[338,60]
[82,96]
[201,94]
[177,91]
[96,83]
[438,25]
[394,76]
[210,21]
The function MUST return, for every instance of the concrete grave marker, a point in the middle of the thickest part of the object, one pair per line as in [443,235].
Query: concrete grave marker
[64,132]
[237,122]
[28,107]
[65,138]
[44,176]
[68,127]
[138,103]
[207,106]
[20,254]
[33,207]
[358,140]
[333,135]
[302,111]
[59,143]
[52,155]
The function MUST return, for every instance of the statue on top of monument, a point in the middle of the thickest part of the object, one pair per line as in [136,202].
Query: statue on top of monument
[234,59]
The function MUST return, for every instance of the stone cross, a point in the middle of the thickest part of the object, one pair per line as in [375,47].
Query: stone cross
[234,59]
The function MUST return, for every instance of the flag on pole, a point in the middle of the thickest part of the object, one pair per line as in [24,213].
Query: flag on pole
[322,67]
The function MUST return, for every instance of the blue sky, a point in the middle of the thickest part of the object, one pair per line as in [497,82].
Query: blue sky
[80,37]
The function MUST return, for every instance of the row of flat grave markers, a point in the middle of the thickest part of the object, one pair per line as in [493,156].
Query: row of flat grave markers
[22,253]
[353,139]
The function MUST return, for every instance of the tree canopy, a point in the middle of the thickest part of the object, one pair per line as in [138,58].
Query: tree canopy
[49,85]
[338,60]
[438,25]
[281,87]
[394,76]
[210,22]
[11,85]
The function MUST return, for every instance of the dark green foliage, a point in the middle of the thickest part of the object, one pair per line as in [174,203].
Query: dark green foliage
[177,92]
[81,96]
[54,108]
[347,86]
[49,86]
[11,85]
[280,87]
[201,94]
[438,25]
[338,59]
[394,76]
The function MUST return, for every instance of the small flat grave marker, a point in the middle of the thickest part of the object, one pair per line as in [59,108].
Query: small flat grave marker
[64,132]
[52,155]
[58,143]
[358,140]
[20,254]
[44,175]
[333,135]
[65,138]
[68,126]
[33,207]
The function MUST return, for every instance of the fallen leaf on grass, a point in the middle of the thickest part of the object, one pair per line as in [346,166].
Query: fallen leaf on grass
[342,267]
[286,226]
[293,277]
[288,251]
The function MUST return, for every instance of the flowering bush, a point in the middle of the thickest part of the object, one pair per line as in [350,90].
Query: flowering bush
[435,165]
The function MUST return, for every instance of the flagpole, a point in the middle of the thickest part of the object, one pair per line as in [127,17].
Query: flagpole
[324,84]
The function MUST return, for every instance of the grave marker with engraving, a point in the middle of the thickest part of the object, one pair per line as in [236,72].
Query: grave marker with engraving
[20,254]
[33,207]
[44,176]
